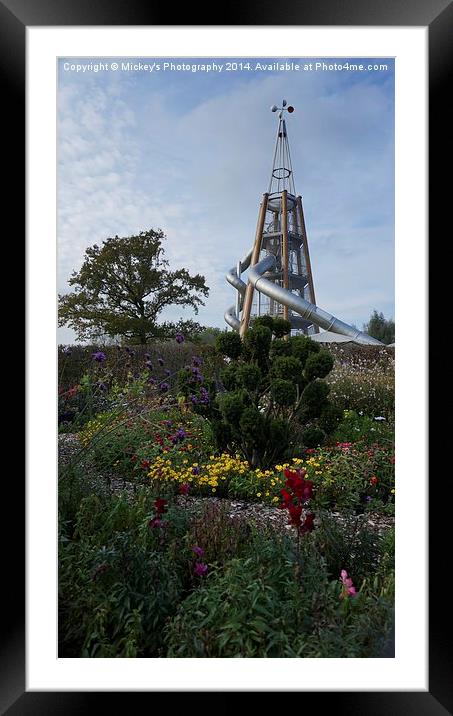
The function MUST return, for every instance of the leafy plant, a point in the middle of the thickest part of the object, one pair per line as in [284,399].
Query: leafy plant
[268,384]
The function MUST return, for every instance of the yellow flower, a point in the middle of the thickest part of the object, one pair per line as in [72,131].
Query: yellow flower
[258,494]
[392,491]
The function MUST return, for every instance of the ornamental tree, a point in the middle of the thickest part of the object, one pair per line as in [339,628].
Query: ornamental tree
[267,384]
[122,287]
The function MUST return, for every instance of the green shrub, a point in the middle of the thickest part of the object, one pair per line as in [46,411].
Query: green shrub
[229,344]
[271,386]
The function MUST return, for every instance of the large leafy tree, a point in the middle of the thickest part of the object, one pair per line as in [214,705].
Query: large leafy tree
[123,286]
[381,328]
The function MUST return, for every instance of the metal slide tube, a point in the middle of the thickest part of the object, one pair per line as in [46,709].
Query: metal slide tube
[301,306]
[231,315]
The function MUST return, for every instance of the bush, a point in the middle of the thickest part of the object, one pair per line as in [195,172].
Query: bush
[271,385]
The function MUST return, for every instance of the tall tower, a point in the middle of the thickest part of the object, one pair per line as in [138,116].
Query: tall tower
[281,232]
[279,278]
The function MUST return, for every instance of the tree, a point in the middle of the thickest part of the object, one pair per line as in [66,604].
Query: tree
[123,286]
[381,328]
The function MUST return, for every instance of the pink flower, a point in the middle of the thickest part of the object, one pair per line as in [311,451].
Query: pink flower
[348,587]
[156,522]
[199,551]
[200,569]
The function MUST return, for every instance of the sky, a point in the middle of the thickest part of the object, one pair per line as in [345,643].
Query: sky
[190,152]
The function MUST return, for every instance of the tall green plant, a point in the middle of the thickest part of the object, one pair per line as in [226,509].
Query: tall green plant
[267,383]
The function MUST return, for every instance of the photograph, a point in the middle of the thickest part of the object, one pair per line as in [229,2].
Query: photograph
[226,357]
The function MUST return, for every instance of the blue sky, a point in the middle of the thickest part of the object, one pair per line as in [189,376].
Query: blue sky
[191,152]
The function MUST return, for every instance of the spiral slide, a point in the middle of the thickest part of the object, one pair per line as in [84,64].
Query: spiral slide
[260,276]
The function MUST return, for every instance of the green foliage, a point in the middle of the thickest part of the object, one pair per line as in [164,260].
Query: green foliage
[283,392]
[302,347]
[229,344]
[123,286]
[288,368]
[354,428]
[314,398]
[278,326]
[318,365]
[313,436]
[257,342]
[248,376]
[330,417]
[120,579]
[381,328]
[264,605]
[265,320]
[353,476]
[281,327]
[268,386]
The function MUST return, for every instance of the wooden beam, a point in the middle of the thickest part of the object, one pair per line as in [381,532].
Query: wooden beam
[300,212]
[285,251]
[247,308]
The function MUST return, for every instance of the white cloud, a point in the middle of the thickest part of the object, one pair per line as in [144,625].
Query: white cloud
[131,159]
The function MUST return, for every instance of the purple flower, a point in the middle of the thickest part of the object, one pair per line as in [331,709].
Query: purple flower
[197,361]
[204,396]
[199,551]
[167,372]
[149,365]
[152,381]
[195,470]
[164,387]
[181,433]
[101,386]
[160,361]
[197,375]
[148,356]
[179,338]
[99,356]
[200,568]
[67,351]
[194,399]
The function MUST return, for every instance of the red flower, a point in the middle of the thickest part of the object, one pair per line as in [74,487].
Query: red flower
[145,464]
[295,513]
[160,506]
[373,480]
[303,489]
[184,488]
[309,524]
[287,498]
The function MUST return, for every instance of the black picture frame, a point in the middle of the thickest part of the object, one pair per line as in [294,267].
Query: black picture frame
[437,15]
